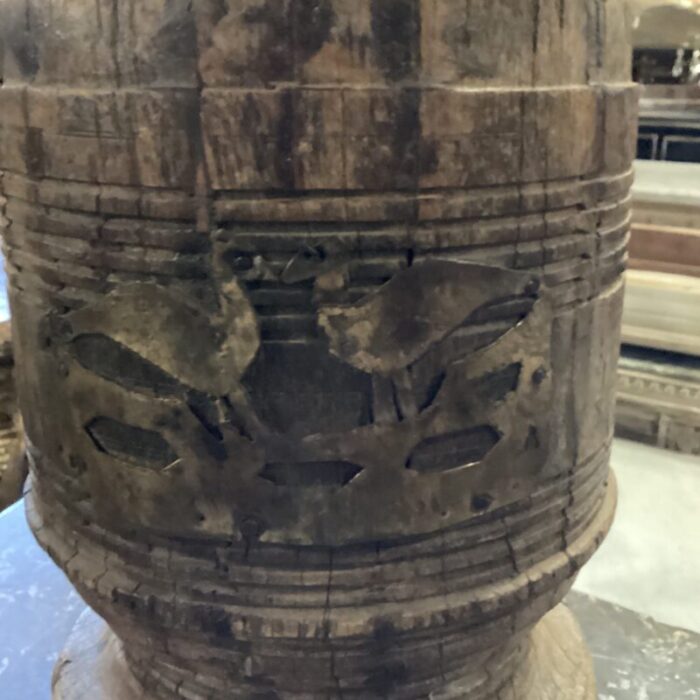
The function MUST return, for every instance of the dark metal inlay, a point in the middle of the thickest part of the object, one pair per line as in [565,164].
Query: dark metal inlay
[115,362]
[307,474]
[144,448]
[453,450]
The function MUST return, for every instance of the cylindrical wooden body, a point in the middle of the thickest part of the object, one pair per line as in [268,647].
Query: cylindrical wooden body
[316,307]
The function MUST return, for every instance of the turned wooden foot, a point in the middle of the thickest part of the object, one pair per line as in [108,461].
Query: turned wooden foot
[549,662]
[556,666]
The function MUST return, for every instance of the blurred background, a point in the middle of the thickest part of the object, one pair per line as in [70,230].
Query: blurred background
[662,315]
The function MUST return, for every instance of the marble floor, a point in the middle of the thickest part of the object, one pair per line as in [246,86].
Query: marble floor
[38,608]
[650,562]
[4,303]
[637,658]
[638,600]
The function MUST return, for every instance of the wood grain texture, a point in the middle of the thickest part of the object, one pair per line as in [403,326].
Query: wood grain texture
[558,665]
[263,446]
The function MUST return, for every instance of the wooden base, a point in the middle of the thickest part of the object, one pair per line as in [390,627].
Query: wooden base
[92,665]
[558,666]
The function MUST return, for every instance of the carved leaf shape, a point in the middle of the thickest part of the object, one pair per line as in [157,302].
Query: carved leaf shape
[175,337]
[420,306]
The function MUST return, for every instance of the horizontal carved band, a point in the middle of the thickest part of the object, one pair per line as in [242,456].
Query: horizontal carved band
[465,623]
[299,139]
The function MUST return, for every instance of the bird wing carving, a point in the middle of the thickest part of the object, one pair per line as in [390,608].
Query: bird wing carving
[175,338]
[398,324]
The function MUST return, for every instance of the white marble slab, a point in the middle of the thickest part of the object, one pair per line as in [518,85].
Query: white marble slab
[650,562]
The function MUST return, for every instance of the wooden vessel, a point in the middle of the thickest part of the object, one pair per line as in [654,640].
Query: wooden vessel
[317,309]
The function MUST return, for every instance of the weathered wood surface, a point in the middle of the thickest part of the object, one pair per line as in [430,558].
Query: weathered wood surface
[558,665]
[317,308]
